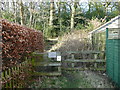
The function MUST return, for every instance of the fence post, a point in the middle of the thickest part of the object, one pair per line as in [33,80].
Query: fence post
[10,78]
[73,59]
[13,78]
[3,77]
[6,77]
[95,57]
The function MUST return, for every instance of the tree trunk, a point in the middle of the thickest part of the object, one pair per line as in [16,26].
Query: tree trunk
[15,11]
[51,13]
[22,12]
[31,15]
[1,9]
[59,13]
[72,16]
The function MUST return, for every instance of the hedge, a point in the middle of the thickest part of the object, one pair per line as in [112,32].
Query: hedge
[18,41]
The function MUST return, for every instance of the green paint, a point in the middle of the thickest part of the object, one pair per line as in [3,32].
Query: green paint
[113,58]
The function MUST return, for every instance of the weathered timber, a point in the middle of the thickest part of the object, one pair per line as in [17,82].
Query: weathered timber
[85,52]
[47,64]
[46,74]
[80,68]
[84,60]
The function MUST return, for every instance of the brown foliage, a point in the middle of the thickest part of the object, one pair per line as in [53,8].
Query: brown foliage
[17,41]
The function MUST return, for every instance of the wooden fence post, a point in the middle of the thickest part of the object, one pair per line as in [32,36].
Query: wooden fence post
[10,85]
[73,59]
[95,57]
[3,78]
[6,76]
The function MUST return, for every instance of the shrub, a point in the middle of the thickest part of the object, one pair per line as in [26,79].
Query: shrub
[79,26]
[18,41]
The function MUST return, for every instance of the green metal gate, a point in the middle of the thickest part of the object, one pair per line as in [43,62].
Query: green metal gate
[113,54]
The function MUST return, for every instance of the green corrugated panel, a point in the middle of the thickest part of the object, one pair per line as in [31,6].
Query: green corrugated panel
[113,58]
[119,62]
[116,61]
[115,71]
[110,58]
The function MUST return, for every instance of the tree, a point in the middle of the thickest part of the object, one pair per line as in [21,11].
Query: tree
[117,5]
[31,14]
[73,12]
[21,12]
[72,16]
[51,13]
[15,11]
[57,18]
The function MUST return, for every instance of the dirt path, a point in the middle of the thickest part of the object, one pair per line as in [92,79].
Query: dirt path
[74,79]
[89,79]
[97,80]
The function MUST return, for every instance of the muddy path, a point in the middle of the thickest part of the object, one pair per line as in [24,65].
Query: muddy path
[74,79]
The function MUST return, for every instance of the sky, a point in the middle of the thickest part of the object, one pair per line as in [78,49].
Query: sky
[84,3]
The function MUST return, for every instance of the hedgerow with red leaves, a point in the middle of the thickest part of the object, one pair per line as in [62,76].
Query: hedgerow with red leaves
[18,41]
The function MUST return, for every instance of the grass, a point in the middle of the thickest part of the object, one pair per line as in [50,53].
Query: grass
[69,79]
